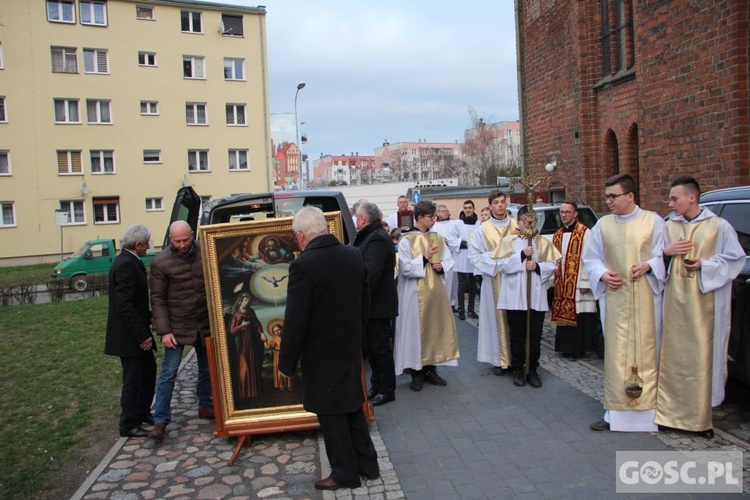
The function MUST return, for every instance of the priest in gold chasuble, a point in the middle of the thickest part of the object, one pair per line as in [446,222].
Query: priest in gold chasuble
[425,327]
[705,257]
[493,344]
[626,273]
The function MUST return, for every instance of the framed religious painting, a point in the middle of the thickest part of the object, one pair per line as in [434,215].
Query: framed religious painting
[246,266]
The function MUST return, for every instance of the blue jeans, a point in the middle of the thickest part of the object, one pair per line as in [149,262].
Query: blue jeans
[164,388]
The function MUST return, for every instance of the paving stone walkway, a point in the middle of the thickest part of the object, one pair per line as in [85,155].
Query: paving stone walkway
[479,437]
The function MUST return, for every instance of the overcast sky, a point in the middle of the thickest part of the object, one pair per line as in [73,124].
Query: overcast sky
[400,70]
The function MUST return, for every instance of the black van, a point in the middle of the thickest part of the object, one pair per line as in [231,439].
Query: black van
[733,204]
[243,207]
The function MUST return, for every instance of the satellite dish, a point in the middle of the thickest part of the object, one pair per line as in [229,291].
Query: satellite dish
[84,188]
[221,27]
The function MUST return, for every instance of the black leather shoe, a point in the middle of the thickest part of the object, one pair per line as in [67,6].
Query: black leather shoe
[461,315]
[499,371]
[135,432]
[472,315]
[600,425]
[533,379]
[381,399]
[417,382]
[371,393]
[435,379]
[518,378]
[709,434]
[371,477]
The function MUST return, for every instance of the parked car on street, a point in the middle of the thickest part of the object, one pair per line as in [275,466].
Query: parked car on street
[548,216]
[733,204]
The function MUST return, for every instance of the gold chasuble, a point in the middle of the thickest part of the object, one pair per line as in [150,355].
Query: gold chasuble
[436,325]
[685,370]
[629,330]
[566,281]
[494,237]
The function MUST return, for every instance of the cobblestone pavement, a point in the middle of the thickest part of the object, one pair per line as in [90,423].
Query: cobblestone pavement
[190,463]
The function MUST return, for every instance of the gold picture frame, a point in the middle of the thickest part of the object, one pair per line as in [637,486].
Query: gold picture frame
[246,267]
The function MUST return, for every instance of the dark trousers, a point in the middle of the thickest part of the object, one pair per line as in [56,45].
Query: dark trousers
[466,283]
[349,447]
[138,385]
[517,330]
[379,350]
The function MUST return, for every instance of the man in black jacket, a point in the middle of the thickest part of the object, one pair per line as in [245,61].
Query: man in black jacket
[377,250]
[129,332]
[327,306]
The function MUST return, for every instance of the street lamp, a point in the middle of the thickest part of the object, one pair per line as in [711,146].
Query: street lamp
[300,86]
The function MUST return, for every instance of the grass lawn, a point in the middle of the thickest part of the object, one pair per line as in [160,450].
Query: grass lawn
[59,397]
[37,273]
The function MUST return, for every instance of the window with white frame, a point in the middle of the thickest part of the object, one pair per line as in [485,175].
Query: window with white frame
[236,114]
[191,21]
[195,113]
[98,111]
[145,12]
[154,204]
[61,11]
[64,60]
[106,210]
[152,156]
[1,55]
[194,67]
[146,58]
[149,107]
[238,159]
[9,214]
[69,162]
[102,161]
[3,112]
[95,61]
[198,160]
[75,211]
[5,162]
[234,68]
[66,111]
[232,25]
[93,12]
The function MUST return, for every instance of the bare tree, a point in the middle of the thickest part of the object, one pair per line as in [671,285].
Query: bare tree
[482,151]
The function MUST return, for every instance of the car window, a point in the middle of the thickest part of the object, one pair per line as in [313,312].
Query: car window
[587,217]
[738,215]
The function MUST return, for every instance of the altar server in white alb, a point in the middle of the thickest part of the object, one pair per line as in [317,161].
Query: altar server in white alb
[493,345]
[446,227]
[705,256]
[626,274]
[425,328]
[522,262]
[465,226]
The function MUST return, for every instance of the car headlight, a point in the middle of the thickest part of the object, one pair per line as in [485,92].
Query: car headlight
[59,271]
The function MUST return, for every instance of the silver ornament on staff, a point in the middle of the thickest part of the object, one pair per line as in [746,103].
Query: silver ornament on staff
[529,182]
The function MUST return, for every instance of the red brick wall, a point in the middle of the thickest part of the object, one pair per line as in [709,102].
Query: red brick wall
[685,111]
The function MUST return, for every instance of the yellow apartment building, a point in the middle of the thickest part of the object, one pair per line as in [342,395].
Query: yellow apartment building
[107,108]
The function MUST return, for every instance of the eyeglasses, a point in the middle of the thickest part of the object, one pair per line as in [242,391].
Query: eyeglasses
[613,197]
[433,216]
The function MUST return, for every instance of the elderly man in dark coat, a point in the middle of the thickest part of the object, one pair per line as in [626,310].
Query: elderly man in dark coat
[327,306]
[129,332]
[377,250]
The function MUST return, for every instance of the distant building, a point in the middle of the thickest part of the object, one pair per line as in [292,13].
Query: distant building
[653,88]
[107,108]
[418,161]
[342,170]
[287,167]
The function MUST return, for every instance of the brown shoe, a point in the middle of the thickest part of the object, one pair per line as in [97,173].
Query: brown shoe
[207,413]
[327,484]
[158,432]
